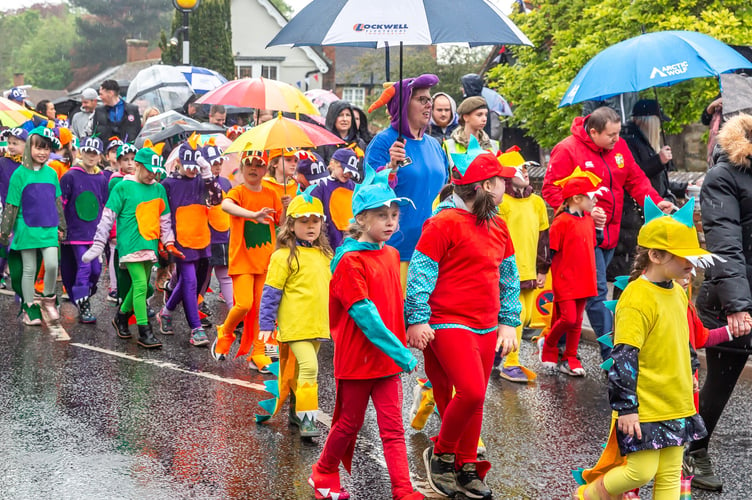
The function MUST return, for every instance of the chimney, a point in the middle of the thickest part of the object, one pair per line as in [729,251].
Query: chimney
[137,50]
[328,81]
[18,79]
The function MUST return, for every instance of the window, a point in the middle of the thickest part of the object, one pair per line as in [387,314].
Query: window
[244,71]
[355,96]
[269,72]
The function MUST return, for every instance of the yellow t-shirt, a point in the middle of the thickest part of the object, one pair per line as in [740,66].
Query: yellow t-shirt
[654,320]
[525,218]
[304,309]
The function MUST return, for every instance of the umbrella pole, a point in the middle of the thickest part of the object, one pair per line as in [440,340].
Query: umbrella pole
[670,164]
[399,82]
[386,61]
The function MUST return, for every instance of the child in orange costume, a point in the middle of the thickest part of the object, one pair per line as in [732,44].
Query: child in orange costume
[255,211]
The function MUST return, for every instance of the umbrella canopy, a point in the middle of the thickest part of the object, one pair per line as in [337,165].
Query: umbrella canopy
[281,133]
[260,93]
[201,80]
[366,23]
[161,86]
[13,114]
[652,60]
[173,125]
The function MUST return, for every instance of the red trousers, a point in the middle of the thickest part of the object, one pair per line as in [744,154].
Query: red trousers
[567,319]
[352,401]
[462,360]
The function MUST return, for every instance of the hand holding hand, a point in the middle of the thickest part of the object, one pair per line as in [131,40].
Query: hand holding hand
[173,250]
[507,340]
[739,323]
[396,154]
[630,425]
[265,335]
[419,335]
[540,280]
[665,154]
[599,217]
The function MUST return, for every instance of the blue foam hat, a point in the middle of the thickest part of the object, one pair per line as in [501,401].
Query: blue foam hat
[374,192]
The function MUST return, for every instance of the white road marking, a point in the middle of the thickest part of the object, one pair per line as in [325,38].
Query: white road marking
[366,447]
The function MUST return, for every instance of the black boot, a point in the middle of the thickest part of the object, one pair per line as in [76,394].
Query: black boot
[146,337]
[120,323]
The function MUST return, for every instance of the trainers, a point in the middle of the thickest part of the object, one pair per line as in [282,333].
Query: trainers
[165,324]
[548,361]
[572,366]
[513,374]
[221,298]
[440,472]
[112,296]
[204,308]
[214,353]
[697,463]
[198,337]
[470,483]
[264,370]
[272,350]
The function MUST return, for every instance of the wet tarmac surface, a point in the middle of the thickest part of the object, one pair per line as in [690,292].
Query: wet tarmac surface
[99,417]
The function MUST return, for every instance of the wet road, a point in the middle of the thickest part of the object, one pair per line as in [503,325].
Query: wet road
[98,417]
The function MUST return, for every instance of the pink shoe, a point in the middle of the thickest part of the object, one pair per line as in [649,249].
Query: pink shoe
[327,486]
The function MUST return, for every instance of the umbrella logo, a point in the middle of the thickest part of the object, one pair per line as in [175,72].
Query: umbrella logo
[379,28]
[671,69]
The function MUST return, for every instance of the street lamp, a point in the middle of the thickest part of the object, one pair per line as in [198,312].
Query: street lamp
[186,7]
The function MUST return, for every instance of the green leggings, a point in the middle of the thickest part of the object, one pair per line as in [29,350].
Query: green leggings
[135,301]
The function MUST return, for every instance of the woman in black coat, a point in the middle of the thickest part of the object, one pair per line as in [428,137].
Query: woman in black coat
[341,122]
[725,296]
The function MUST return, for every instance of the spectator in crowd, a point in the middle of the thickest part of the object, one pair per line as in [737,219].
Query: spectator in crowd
[81,119]
[115,116]
[443,117]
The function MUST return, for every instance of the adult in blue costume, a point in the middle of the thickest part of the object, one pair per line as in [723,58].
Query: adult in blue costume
[419,165]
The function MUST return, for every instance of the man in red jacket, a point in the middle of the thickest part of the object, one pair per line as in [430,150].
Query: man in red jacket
[595,146]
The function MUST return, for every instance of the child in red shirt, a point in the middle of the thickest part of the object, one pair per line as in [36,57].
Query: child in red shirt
[368,329]
[573,238]
[463,303]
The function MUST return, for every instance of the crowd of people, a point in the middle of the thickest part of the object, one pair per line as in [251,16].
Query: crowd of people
[424,236]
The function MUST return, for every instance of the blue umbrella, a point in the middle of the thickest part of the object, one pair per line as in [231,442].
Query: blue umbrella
[652,60]
[201,80]
[369,23]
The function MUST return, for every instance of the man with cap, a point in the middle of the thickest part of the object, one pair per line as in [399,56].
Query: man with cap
[335,193]
[84,194]
[419,165]
[17,94]
[115,116]
[81,119]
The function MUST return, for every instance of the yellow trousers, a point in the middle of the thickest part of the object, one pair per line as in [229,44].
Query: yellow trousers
[664,465]
[527,299]
[306,356]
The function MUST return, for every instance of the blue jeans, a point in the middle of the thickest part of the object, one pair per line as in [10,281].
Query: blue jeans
[601,319]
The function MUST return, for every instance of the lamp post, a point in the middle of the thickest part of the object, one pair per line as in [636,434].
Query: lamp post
[186,7]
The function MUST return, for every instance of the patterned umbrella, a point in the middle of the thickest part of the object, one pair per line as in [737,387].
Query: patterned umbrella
[282,133]
[260,93]
[13,114]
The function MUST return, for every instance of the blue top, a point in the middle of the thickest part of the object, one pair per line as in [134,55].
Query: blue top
[421,181]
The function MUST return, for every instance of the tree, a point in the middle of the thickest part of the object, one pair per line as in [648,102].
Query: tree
[567,34]
[27,47]
[283,7]
[210,35]
[105,25]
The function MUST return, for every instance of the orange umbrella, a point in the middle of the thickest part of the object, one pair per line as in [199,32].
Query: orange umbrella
[260,93]
[13,114]
[281,133]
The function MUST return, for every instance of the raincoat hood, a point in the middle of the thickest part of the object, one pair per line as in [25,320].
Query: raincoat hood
[335,109]
[452,104]
[472,84]
[734,141]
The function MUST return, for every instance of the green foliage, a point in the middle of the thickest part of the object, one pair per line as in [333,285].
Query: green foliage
[568,34]
[283,7]
[210,35]
[38,46]
[105,25]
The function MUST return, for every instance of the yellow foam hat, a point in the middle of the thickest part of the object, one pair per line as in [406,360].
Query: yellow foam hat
[305,205]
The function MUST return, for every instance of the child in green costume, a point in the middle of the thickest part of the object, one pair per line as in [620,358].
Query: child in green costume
[139,204]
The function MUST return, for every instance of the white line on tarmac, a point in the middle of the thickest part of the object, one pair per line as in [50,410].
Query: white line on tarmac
[324,418]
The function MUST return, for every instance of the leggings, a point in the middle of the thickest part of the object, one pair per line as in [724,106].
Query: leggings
[567,320]
[225,283]
[112,267]
[186,292]
[352,401]
[247,288]
[527,299]
[29,260]
[724,368]
[79,278]
[664,465]
[135,301]
[460,359]
[306,359]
